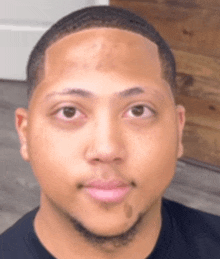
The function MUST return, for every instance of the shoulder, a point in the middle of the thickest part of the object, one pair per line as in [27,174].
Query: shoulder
[199,229]
[190,217]
[15,238]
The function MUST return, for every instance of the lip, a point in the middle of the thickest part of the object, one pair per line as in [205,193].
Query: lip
[106,185]
[109,192]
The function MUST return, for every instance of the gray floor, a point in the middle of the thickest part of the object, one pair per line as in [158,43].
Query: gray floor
[19,192]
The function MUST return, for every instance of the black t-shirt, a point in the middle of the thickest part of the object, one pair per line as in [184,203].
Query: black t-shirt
[186,234]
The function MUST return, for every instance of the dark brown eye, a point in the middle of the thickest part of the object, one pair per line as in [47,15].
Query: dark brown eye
[138,110]
[69,112]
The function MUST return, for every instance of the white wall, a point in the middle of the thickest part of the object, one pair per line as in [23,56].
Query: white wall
[22,22]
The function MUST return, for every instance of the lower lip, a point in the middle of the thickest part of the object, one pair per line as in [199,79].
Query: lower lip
[110,196]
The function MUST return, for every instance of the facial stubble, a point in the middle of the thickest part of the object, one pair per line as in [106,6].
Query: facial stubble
[114,241]
[102,241]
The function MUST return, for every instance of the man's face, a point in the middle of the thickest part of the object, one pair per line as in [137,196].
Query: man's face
[102,118]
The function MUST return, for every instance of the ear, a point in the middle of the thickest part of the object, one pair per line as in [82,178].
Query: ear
[181,123]
[21,123]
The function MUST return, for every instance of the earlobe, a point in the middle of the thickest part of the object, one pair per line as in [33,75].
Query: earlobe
[181,123]
[21,123]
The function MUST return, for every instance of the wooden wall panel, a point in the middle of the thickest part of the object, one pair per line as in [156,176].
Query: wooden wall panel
[192,29]
[207,4]
[187,29]
[197,65]
[202,143]
[198,75]
[199,87]
[203,113]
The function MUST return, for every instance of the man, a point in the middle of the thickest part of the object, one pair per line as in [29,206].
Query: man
[103,133]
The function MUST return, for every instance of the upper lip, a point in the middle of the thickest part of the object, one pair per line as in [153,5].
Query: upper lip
[106,185]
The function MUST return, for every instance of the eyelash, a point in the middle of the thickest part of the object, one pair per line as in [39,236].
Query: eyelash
[151,111]
[69,107]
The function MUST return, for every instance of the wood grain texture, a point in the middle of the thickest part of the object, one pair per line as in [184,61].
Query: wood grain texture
[207,4]
[201,112]
[200,87]
[202,143]
[201,136]
[193,30]
[198,76]
[197,65]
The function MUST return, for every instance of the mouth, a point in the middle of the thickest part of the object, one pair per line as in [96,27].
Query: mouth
[109,192]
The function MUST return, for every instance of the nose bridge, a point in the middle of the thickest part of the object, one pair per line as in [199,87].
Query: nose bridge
[106,130]
[107,142]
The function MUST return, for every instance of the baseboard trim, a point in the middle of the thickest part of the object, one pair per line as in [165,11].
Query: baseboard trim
[200,164]
[23,28]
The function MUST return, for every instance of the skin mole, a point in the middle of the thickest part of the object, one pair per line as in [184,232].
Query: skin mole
[128,210]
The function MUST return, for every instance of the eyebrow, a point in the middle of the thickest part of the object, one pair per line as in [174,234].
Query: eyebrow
[87,94]
[72,91]
[131,92]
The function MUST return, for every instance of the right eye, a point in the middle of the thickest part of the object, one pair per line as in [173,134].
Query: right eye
[69,113]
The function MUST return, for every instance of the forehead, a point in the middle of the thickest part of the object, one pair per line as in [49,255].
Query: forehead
[101,48]
[93,39]
[89,57]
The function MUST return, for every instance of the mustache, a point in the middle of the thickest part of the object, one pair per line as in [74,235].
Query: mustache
[105,177]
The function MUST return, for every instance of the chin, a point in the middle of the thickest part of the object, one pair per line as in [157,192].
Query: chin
[108,233]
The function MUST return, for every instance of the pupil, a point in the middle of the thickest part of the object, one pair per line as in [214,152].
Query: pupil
[69,112]
[138,110]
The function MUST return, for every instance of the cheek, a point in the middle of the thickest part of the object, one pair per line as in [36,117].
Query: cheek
[154,156]
[54,156]
[152,167]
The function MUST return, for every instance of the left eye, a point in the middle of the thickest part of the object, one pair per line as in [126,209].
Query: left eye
[139,111]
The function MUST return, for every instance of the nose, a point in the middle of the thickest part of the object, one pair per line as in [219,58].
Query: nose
[106,144]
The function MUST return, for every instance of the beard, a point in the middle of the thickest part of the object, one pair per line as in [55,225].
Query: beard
[106,242]
[114,241]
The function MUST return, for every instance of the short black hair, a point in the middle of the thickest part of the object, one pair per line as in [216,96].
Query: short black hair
[93,17]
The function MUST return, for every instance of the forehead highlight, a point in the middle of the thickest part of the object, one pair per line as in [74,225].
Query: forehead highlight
[99,48]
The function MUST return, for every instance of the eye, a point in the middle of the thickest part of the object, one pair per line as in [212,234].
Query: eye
[139,111]
[69,113]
